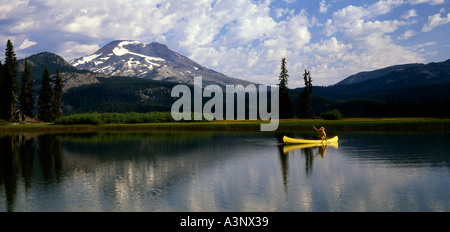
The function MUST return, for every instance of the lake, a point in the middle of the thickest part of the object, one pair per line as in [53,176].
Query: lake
[223,171]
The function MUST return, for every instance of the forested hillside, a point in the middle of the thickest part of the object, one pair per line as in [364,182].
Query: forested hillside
[120,94]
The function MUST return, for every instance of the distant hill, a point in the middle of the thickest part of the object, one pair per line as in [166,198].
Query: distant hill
[120,94]
[401,90]
[404,75]
[52,61]
[149,61]
[388,82]
[71,76]
[368,75]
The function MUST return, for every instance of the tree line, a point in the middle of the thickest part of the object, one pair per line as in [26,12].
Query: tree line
[17,101]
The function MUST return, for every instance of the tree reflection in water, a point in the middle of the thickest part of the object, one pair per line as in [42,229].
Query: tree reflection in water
[17,162]
[221,171]
[309,151]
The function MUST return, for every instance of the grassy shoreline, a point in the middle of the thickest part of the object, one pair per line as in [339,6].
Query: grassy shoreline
[347,124]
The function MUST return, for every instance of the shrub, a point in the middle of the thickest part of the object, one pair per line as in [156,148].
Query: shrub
[332,115]
[87,118]
[115,118]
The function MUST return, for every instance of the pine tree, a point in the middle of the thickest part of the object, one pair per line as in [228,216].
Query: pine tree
[305,97]
[286,104]
[45,97]
[2,93]
[57,96]
[9,84]
[26,94]
[284,76]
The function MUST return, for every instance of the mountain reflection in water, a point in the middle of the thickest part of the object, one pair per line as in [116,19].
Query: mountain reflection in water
[222,171]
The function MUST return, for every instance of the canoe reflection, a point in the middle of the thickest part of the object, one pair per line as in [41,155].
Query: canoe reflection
[321,148]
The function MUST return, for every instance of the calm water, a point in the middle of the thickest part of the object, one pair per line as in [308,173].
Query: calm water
[223,171]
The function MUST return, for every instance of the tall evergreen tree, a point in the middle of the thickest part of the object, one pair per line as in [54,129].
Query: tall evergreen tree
[2,93]
[306,97]
[57,96]
[286,103]
[45,98]
[26,94]
[9,84]
[284,76]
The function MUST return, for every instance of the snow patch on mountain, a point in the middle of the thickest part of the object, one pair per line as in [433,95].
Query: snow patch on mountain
[120,51]
[153,61]
[86,59]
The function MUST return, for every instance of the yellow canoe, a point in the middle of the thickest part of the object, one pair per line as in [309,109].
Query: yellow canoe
[310,141]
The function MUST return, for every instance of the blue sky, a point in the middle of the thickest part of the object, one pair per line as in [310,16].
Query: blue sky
[245,39]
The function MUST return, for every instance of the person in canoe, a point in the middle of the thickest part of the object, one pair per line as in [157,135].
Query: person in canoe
[321,133]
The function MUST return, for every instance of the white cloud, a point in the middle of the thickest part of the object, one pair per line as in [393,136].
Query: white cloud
[323,6]
[357,22]
[246,41]
[434,21]
[244,38]
[352,13]
[26,44]
[409,14]
[87,21]
[72,50]
[382,52]
[425,44]
[406,35]
[250,27]
[330,46]
[280,12]
[84,24]
[354,17]
[384,6]
[9,8]
[431,2]
[371,40]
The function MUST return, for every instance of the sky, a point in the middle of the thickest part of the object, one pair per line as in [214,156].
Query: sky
[245,39]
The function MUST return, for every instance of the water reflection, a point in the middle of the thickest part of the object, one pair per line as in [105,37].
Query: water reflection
[104,171]
[18,158]
[308,151]
[220,171]
[308,148]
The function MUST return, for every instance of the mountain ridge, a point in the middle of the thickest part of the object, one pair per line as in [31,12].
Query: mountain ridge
[368,75]
[71,76]
[385,82]
[433,70]
[150,61]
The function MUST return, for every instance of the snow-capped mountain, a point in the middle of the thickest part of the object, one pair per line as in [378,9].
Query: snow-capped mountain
[152,61]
